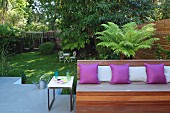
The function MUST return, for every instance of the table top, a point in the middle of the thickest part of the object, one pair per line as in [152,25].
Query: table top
[66,54]
[54,83]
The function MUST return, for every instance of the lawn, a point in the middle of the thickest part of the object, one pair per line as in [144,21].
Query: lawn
[35,65]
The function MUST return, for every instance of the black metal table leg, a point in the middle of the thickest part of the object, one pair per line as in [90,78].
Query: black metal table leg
[48,101]
[50,104]
[71,101]
[53,93]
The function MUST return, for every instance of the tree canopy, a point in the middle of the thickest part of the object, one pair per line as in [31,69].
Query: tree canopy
[78,20]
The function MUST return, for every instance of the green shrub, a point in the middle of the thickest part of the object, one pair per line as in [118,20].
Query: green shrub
[47,48]
[14,73]
[106,54]
[18,73]
[10,38]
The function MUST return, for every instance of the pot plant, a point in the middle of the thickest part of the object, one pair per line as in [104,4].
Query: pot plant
[126,40]
[43,80]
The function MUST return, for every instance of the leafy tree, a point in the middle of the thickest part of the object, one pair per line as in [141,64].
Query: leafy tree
[13,12]
[4,7]
[161,9]
[36,26]
[166,9]
[9,37]
[80,19]
[128,39]
[45,12]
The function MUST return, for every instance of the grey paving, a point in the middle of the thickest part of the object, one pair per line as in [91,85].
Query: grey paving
[27,98]
[8,80]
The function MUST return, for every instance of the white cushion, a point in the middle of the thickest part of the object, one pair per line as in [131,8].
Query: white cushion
[104,73]
[137,73]
[167,73]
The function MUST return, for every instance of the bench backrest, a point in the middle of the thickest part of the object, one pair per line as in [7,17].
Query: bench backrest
[136,70]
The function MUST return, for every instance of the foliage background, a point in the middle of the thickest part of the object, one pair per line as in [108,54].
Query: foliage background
[79,20]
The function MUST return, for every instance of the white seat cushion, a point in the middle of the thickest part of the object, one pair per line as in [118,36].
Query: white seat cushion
[167,73]
[137,73]
[104,73]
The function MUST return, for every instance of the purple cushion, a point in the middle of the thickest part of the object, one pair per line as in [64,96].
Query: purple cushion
[155,73]
[88,74]
[120,74]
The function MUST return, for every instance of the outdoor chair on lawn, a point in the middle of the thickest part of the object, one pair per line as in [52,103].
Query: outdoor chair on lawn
[61,57]
[66,57]
[74,56]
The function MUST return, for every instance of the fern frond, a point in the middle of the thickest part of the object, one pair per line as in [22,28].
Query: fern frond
[149,41]
[149,27]
[106,44]
[131,36]
[129,26]
[105,26]
[126,44]
[113,26]
[142,47]
[106,36]
[112,31]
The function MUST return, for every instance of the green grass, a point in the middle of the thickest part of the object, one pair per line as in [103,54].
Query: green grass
[35,65]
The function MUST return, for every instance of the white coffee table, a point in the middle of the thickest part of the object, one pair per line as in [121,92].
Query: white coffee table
[54,85]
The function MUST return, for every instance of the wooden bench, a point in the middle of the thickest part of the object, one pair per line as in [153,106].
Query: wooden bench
[137,97]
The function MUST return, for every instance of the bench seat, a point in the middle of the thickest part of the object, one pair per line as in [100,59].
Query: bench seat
[133,87]
[137,97]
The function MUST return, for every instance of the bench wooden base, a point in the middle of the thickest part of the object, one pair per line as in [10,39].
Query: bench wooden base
[123,102]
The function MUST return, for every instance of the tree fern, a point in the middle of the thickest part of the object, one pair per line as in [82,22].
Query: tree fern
[127,40]
[129,26]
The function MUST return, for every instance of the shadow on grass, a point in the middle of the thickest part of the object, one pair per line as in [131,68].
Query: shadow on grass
[35,65]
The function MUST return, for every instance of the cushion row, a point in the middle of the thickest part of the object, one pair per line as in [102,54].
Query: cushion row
[104,73]
[135,73]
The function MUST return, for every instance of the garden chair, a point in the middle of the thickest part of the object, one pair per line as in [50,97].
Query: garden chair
[66,57]
[60,56]
[74,56]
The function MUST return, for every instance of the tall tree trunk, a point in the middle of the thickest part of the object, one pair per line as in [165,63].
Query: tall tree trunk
[2,17]
[4,4]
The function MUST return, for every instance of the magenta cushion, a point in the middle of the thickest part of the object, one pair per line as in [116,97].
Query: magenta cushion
[120,74]
[88,74]
[155,74]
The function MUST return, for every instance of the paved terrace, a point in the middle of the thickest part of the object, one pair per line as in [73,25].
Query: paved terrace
[27,98]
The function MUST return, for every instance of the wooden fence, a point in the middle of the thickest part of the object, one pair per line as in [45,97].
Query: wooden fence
[162,30]
[32,40]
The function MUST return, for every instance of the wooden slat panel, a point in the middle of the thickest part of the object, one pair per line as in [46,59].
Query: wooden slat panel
[125,109]
[130,62]
[105,103]
[162,30]
[123,98]
[123,93]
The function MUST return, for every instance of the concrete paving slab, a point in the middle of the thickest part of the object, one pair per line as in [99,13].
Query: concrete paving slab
[8,80]
[27,98]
